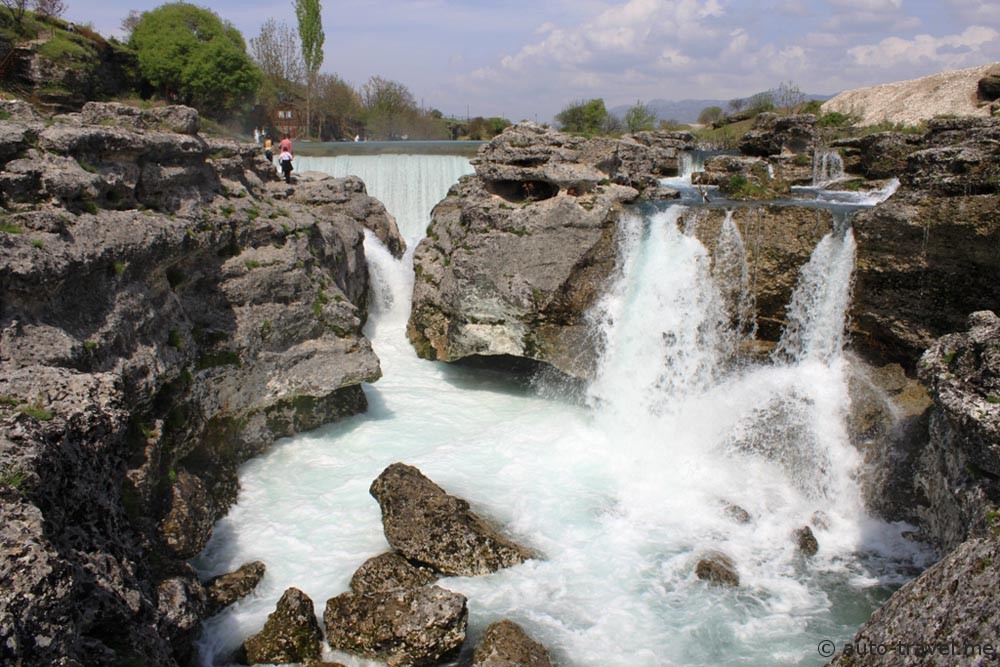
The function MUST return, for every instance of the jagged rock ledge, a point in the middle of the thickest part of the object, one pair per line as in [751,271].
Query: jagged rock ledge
[167,309]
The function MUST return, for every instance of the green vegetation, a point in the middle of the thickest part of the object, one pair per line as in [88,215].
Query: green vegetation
[10,227]
[119,268]
[589,118]
[309,14]
[709,115]
[90,345]
[227,210]
[36,411]
[252,264]
[217,359]
[12,476]
[4,115]
[993,399]
[640,118]
[38,243]
[191,53]
[175,339]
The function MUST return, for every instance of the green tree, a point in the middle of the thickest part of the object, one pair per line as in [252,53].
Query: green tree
[588,117]
[640,117]
[277,54]
[337,108]
[310,16]
[709,115]
[788,95]
[388,105]
[760,102]
[191,55]
[16,8]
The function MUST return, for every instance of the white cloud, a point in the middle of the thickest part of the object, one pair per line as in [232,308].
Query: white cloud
[985,11]
[961,50]
[869,5]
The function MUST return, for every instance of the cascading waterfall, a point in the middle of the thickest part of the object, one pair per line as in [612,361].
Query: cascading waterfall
[828,167]
[621,495]
[731,272]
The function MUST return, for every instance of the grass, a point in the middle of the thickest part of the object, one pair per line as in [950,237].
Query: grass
[993,399]
[38,243]
[90,345]
[217,359]
[86,166]
[252,264]
[4,115]
[36,411]
[727,136]
[119,268]
[10,228]
[228,210]
[12,477]
[174,339]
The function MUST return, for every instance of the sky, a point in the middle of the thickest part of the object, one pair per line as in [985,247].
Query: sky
[527,59]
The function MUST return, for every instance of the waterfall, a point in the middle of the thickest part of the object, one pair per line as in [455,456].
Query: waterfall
[828,167]
[621,494]
[816,315]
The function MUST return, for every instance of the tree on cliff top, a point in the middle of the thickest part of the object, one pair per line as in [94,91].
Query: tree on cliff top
[588,117]
[192,56]
[310,16]
[278,56]
[640,118]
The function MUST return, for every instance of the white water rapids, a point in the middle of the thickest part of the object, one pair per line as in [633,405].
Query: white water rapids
[622,493]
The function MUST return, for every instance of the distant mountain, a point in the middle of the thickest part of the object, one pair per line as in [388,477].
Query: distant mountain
[686,111]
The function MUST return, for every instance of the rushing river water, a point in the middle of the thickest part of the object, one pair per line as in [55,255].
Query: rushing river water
[623,490]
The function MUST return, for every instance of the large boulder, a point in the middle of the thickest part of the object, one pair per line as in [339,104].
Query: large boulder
[961,157]
[226,589]
[946,616]
[290,634]
[774,134]
[959,468]
[389,572]
[717,568]
[417,627]
[429,526]
[506,644]
[190,517]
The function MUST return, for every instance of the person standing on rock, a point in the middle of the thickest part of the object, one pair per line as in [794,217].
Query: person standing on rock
[286,143]
[285,160]
[268,148]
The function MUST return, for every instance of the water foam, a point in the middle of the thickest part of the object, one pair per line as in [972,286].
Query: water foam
[621,495]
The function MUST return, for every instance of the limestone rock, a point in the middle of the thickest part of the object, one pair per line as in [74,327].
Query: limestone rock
[806,541]
[878,155]
[226,589]
[181,603]
[427,525]
[952,604]
[717,568]
[422,626]
[773,134]
[741,177]
[389,572]
[291,633]
[958,470]
[189,521]
[961,156]
[506,644]
[737,514]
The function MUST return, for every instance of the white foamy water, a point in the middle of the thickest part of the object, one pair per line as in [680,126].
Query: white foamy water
[621,495]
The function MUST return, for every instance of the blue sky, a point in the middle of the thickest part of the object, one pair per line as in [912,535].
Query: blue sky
[527,59]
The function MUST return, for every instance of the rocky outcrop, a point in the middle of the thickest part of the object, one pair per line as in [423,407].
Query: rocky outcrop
[291,633]
[741,177]
[774,134]
[879,155]
[506,644]
[717,568]
[516,255]
[946,616]
[226,589]
[422,626]
[958,473]
[429,526]
[166,312]
[914,101]
[390,572]
[806,541]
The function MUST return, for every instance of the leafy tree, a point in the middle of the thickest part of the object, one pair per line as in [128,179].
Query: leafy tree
[709,115]
[129,23]
[190,54]
[588,117]
[760,102]
[640,117]
[310,16]
[737,104]
[50,8]
[16,8]
[388,105]
[276,53]
[673,125]
[337,108]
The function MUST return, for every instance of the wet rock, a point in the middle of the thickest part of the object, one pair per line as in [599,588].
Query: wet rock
[390,571]
[958,470]
[506,644]
[181,606]
[952,604]
[291,633]
[425,524]
[820,520]
[879,155]
[189,521]
[773,134]
[737,514]
[717,568]
[806,541]
[741,177]
[422,626]
[226,589]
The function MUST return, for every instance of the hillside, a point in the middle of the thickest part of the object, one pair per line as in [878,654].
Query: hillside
[686,111]
[910,102]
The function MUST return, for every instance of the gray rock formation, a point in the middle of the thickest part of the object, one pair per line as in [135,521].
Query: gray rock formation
[773,134]
[806,541]
[428,526]
[422,626]
[957,471]
[226,589]
[290,634]
[741,177]
[506,644]
[166,312]
[390,572]
[947,616]
[717,568]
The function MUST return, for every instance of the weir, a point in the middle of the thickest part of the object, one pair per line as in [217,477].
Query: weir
[622,492]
